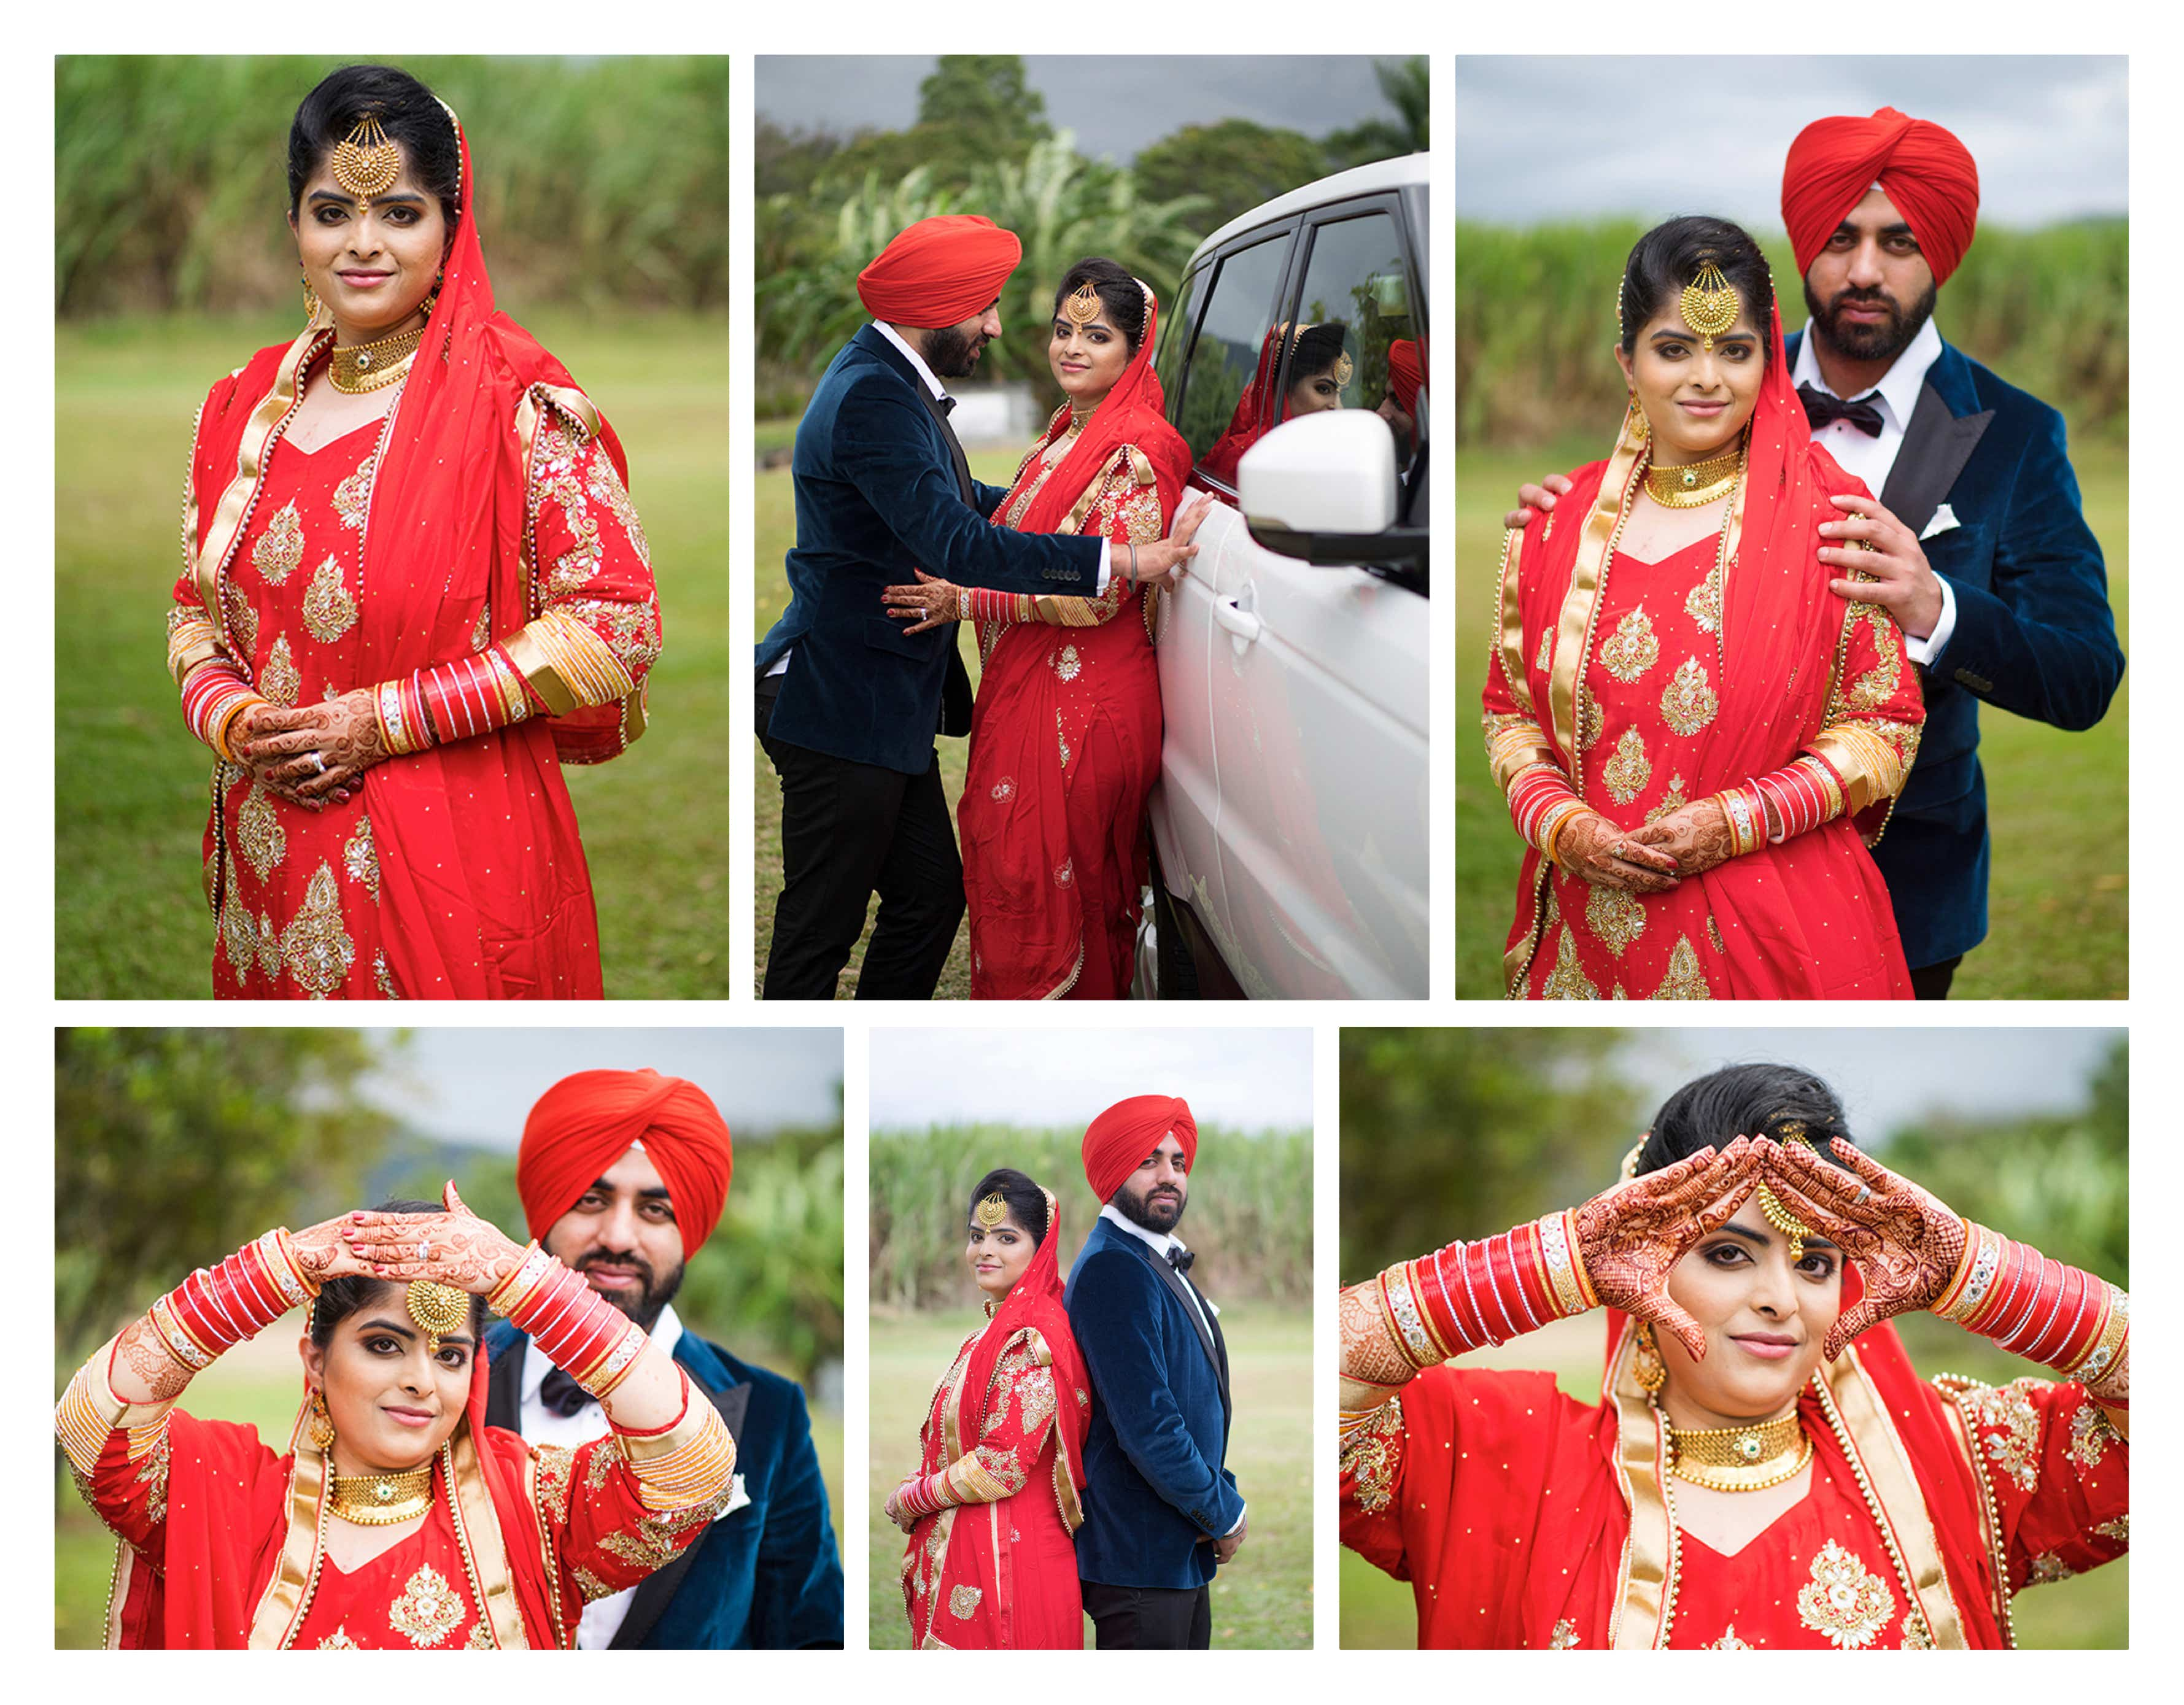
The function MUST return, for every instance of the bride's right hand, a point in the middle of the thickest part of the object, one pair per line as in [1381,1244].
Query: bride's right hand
[1593,849]
[1631,1237]
[324,1253]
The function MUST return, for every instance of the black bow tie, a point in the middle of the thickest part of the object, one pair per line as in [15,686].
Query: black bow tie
[944,403]
[561,1394]
[1180,1259]
[1821,407]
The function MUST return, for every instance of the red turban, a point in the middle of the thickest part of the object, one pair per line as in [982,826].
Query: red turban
[1922,167]
[940,271]
[585,1124]
[1129,1131]
[1405,371]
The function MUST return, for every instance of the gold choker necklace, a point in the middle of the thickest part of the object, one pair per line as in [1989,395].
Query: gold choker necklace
[380,1500]
[1694,484]
[1078,417]
[1739,1459]
[361,367]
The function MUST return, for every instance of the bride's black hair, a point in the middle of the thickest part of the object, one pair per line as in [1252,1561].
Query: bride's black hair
[1027,1200]
[1119,295]
[406,110]
[1669,256]
[339,1298]
[1318,348]
[1760,1100]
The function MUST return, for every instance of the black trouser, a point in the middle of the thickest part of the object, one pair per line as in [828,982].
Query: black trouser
[1150,1619]
[848,829]
[1932,982]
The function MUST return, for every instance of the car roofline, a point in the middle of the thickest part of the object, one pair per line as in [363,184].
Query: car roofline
[1405,171]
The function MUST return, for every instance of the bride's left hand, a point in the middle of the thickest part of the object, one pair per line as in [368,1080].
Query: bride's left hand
[1696,836]
[455,1248]
[932,603]
[894,1511]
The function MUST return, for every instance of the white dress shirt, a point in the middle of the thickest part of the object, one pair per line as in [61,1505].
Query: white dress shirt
[603,1616]
[1160,1242]
[939,393]
[1871,460]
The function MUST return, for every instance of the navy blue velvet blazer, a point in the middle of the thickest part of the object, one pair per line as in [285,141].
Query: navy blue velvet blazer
[878,496]
[765,1576]
[2033,633]
[1156,1491]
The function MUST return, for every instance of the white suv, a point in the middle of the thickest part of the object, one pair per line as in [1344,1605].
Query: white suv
[1290,823]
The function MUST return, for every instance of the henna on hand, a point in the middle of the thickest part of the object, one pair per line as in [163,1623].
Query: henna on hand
[1368,1352]
[1697,836]
[1593,849]
[343,732]
[1907,1244]
[461,1249]
[322,1253]
[1631,1237]
[932,603]
[150,1361]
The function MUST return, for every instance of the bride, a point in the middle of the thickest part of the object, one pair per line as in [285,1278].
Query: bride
[1066,735]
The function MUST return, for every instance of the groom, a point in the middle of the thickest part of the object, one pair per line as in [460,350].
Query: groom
[849,704]
[1163,1513]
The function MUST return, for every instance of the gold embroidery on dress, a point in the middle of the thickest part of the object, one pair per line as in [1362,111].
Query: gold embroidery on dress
[2014,1440]
[1567,980]
[1627,771]
[1061,740]
[1035,1401]
[361,857]
[556,1462]
[1729,1642]
[236,929]
[1713,934]
[481,629]
[381,978]
[280,679]
[279,551]
[1591,719]
[963,1601]
[591,1587]
[258,832]
[1684,980]
[2048,1567]
[241,617]
[1844,1601]
[338,1640]
[1067,664]
[1916,1637]
[557,457]
[429,1610]
[329,612]
[2092,1433]
[1002,1464]
[1564,1636]
[1615,918]
[1877,686]
[1687,703]
[352,496]
[1632,650]
[316,948]
[480,1638]
[630,630]
[1703,605]
[605,485]
[2118,1530]
[152,1475]
[1373,1456]
[1671,801]
[269,947]
[1543,659]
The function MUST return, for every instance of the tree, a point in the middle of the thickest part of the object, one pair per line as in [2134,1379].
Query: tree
[1232,165]
[985,94]
[1407,83]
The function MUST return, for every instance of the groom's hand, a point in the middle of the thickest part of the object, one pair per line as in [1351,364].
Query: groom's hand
[1229,1544]
[1161,562]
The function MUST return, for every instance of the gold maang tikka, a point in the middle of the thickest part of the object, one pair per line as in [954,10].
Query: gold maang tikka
[1710,305]
[1772,1210]
[993,1211]
[1081,306]
[366,161]
[440,1309]
[1343,367]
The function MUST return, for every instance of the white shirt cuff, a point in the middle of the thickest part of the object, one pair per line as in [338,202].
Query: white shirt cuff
[1239,1520]
[1100,589]
[1923,652]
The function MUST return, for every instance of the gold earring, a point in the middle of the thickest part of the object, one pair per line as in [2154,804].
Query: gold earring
[1647,1366]
[310,303]
[1641,429]
[320,1428]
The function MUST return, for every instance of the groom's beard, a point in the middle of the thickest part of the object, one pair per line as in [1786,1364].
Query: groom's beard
[1884,340]
[950,354]
[1155,1212]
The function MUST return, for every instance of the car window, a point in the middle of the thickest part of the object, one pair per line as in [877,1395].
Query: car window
[1225,388]
[1355,342]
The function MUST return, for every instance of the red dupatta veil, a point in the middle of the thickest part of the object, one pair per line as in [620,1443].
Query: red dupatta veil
[245,1531]
[1779,631]
[466,832]
[1020,875]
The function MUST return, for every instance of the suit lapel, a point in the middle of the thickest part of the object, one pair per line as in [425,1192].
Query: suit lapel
[503,1388]
[1938,441]
[1199,1313]
[956,456]
[656,1591]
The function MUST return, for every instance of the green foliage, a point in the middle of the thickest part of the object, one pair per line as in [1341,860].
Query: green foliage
[1407,86]
[599,181]
[1263,1598]
[2058,897]
[130,917]
[1249,1217]
[985,94]
[1233,166]
[2048,310]
[178,1147]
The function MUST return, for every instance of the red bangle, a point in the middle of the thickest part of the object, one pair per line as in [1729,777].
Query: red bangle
[2060,1319]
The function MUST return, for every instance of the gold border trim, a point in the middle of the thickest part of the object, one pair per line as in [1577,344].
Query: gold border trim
[226,529]
[1646,1578]
[478,1531]
[1574,629]
[281,1606]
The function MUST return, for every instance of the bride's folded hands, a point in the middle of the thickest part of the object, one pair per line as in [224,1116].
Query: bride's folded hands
[1593,849]
[1696,836]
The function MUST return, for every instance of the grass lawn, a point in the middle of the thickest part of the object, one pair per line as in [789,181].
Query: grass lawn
[2057,901]
[129,915]
[1261,1599]
[774,497]
[2087,1612]
[258,1385]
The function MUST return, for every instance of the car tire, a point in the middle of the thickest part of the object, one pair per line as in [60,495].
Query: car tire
[1175,971]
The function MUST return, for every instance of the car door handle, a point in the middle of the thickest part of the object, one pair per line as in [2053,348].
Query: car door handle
[1241,624]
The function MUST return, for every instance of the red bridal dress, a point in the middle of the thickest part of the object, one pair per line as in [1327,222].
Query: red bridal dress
[1524,1518]
[991,1561]
[1640,687]
[1066,732]
[478,545]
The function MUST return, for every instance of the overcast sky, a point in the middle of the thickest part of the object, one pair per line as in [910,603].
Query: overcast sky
[1568,138]
[1255,1079]
[1115,104]
[477,1085]
[1888,1077]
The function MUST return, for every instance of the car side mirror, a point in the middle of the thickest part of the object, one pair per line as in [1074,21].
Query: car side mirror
[1321,489]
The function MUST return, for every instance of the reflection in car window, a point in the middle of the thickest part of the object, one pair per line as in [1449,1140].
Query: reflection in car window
[1225,391]
[1359,347]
